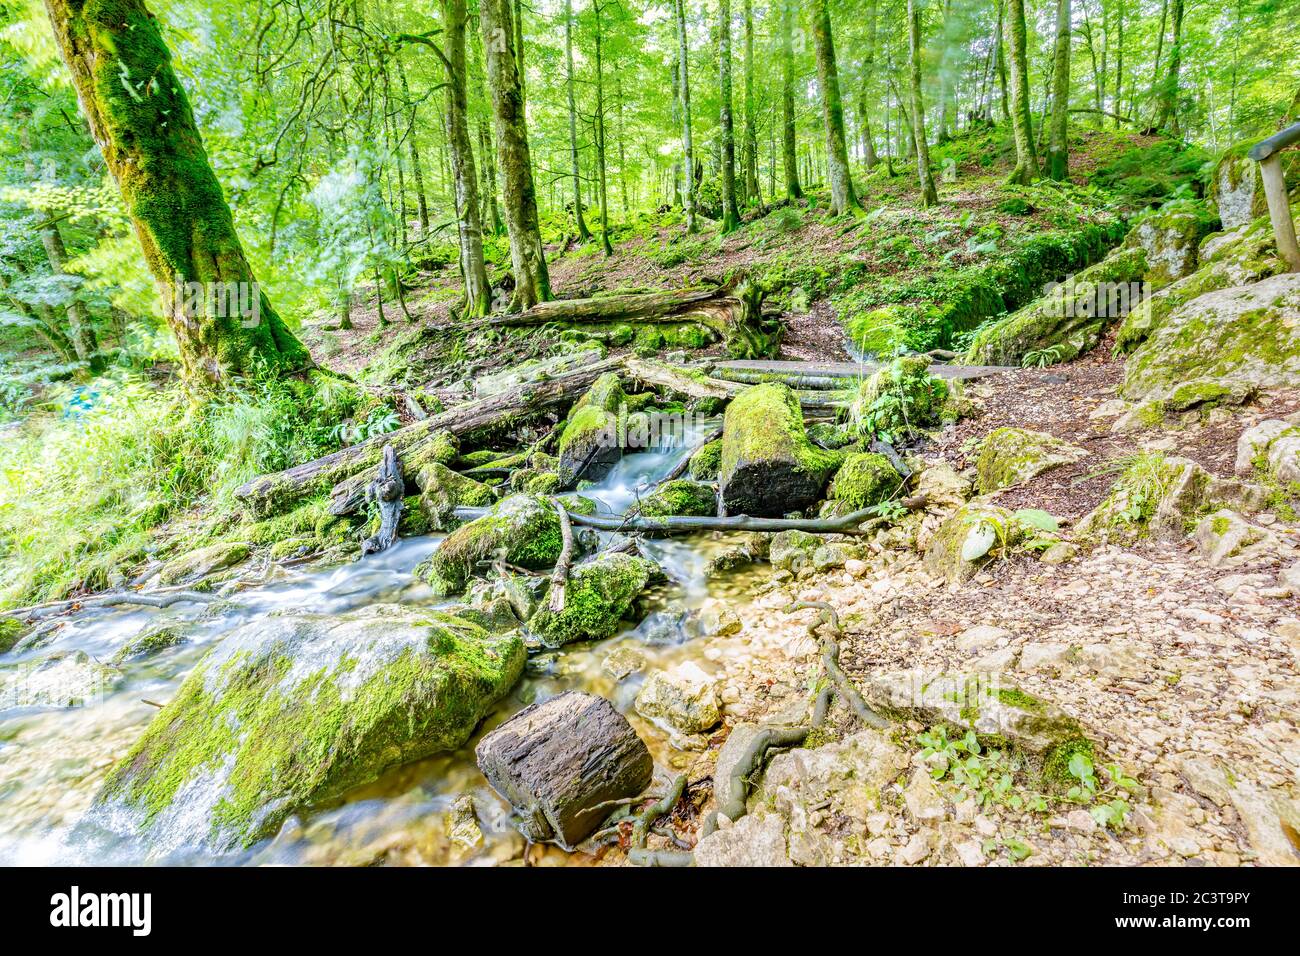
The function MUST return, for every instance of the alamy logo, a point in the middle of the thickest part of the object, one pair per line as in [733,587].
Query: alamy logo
[75,908]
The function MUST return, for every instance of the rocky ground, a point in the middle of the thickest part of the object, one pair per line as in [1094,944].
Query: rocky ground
[1182,672]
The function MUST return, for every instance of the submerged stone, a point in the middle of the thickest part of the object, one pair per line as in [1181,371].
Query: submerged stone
[290,711]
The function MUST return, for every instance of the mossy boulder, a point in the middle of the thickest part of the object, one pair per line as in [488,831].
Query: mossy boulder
[1246,335]
[203,562]
[1010,456]
[151,641]
[291,711]
[606,393]
[899,400]
[997,712]
[970,538]
[1163,496]
[1169,237]
[793,550]
[680,497]
[589,446]
[598,594]
[521,530]
[1236,189]
[443,490]
[1237,258]
[706,461]
[831,436]
[768,466]
[1069,319]
[865,479]
[1228,540]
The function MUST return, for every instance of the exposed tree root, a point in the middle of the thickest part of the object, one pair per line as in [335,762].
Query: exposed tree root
[560,576]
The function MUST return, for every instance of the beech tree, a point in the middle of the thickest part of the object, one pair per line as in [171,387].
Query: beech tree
[141,120]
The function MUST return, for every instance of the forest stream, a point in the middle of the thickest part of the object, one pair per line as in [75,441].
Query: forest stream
[406,807]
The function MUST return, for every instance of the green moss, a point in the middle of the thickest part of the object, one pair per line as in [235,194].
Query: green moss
[706,461]
[151,642]
[11,632]
[275,737]
[679,497]
[1010,456]
[1056,763]
[865,480]
[598,594]
[521,530]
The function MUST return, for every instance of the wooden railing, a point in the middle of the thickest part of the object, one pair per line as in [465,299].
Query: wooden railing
[1268,153]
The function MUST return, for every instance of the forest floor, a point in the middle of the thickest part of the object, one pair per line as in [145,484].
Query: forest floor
[1182,673]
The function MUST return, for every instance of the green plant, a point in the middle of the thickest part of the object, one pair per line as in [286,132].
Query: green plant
[1041,358]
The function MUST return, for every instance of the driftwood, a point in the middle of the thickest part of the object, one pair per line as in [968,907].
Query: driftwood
[857,522]
[561,762]
[158,599]
[560,576]
[274,493]
[387,491]
[736,318]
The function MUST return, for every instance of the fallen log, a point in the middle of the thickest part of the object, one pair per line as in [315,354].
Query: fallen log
[561,763]
[736,318]
[274,493]
[857,522]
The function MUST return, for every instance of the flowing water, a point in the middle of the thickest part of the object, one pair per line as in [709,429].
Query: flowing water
[53,760]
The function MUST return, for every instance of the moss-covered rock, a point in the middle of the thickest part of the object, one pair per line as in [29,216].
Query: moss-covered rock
[831,436]
[290,711]
[970,538]
[1227,540]
[706,461]
[1236,189]
[521,530]
[443,490]
[589,446]
[769,467]
[680,497]
[1226,259]
[1169,237]
[202,562]
[865,479]
[1009,456]
[606,393]
[598,595]
[1164,496]
[149,642]
[1246,335]
[793,550]
[1069,319]
[899,400]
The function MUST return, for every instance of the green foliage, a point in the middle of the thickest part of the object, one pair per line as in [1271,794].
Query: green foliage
[898,401]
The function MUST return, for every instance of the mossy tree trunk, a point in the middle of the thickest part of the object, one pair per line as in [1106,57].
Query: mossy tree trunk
[865,84]
[929,195]
[730,214]
[1167,117]
[584,234]
[469,222]
[789,150]
[947,93]
[1000,55]
[688,144]
[505,82]
[141,119]
[1026,157]
[843,199]
[602,166]
[1058,147]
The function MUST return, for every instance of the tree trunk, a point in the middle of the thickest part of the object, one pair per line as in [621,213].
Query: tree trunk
[505,82]
[688,145]
[1026,157]
[749,155]
[790,153]
[559,763]
[929,195]
[141,118]
[602,180]
[1058,147]
[843,199]
[865,85]
[473,268]
[584,235]
[730,214]
[1001,55]
[1168,113]
[946,68]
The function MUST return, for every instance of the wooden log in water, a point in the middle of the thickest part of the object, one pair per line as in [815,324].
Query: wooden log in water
[561,762]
